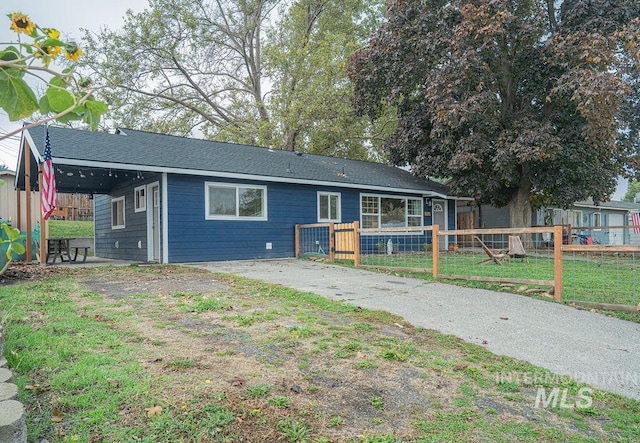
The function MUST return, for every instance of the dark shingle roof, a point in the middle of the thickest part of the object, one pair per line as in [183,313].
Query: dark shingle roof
[149,151]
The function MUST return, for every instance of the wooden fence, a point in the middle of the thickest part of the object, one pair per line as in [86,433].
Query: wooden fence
[334,240]
[411,249]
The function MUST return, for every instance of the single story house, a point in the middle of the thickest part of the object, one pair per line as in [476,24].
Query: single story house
[169,199]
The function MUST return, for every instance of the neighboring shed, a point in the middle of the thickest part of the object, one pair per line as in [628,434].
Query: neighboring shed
[173,199]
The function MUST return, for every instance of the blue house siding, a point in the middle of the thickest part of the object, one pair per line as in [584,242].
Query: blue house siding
[129,243]
[194,238]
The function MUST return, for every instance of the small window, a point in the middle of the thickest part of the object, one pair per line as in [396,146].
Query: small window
[597,219]
[140,199]
[117,213]
[576,219]
[328,207]
[225,201]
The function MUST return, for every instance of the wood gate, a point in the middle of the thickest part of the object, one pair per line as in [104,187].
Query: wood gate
[335,240]
[347,241]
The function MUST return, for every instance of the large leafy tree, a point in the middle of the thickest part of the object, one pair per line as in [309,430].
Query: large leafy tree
[268,72]
[520,102]
[632,191]
[183,64]
[306,58]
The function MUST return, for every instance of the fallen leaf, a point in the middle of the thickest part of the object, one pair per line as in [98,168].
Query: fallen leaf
[31,387]
[504,318]
[57,415]
[155,410]
[99,317]
[208,382]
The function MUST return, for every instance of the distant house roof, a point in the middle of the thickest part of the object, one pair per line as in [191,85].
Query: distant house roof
[144,151]
[612,205]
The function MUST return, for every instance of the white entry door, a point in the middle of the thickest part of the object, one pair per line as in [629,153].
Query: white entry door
[153,223]
[439,210]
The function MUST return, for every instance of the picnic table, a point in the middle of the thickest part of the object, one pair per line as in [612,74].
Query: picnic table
[62,247]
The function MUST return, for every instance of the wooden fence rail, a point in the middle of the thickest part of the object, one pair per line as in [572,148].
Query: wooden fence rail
[344,242]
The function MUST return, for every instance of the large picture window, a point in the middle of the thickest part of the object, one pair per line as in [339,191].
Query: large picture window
[390,212]
[226,201]
[117,213]
[328,207]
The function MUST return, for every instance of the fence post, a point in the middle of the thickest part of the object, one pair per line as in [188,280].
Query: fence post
[356,244]
[435,242]
[332,242]
[297,241]
[557,262]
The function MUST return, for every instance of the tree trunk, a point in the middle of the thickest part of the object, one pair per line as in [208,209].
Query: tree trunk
[520,206]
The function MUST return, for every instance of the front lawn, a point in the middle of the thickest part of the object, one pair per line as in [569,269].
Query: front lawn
[169,354]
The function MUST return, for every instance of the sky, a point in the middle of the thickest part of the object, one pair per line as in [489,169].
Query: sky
[69,16]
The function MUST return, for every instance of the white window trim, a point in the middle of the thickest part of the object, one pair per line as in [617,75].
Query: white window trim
[124,212]
[406,214]
[338,219]
[576,215]
[136,199]
[597,220]
[208,216]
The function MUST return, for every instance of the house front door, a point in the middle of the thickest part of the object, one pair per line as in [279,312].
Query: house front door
[440,218]
[153,223]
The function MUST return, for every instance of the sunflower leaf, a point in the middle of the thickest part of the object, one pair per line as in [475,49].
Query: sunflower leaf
[59,99]
[16,97]
[94,109]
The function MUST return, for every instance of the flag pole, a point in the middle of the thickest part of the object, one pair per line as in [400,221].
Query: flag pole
[42,253]
[48,192]
[27,190]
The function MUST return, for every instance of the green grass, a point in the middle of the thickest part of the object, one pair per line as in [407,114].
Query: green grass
[586,277]
[68,228]
[104,376]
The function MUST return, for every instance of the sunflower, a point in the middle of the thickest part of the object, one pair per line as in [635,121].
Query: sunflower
[53,51]
[21,23]
[47,51]
[73,52]
[52,33]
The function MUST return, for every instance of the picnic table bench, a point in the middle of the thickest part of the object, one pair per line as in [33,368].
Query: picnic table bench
[63,247]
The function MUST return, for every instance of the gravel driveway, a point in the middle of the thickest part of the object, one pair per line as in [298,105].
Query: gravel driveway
[590,347]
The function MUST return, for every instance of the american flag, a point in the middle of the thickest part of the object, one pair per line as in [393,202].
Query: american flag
[49,193]
[635,221]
